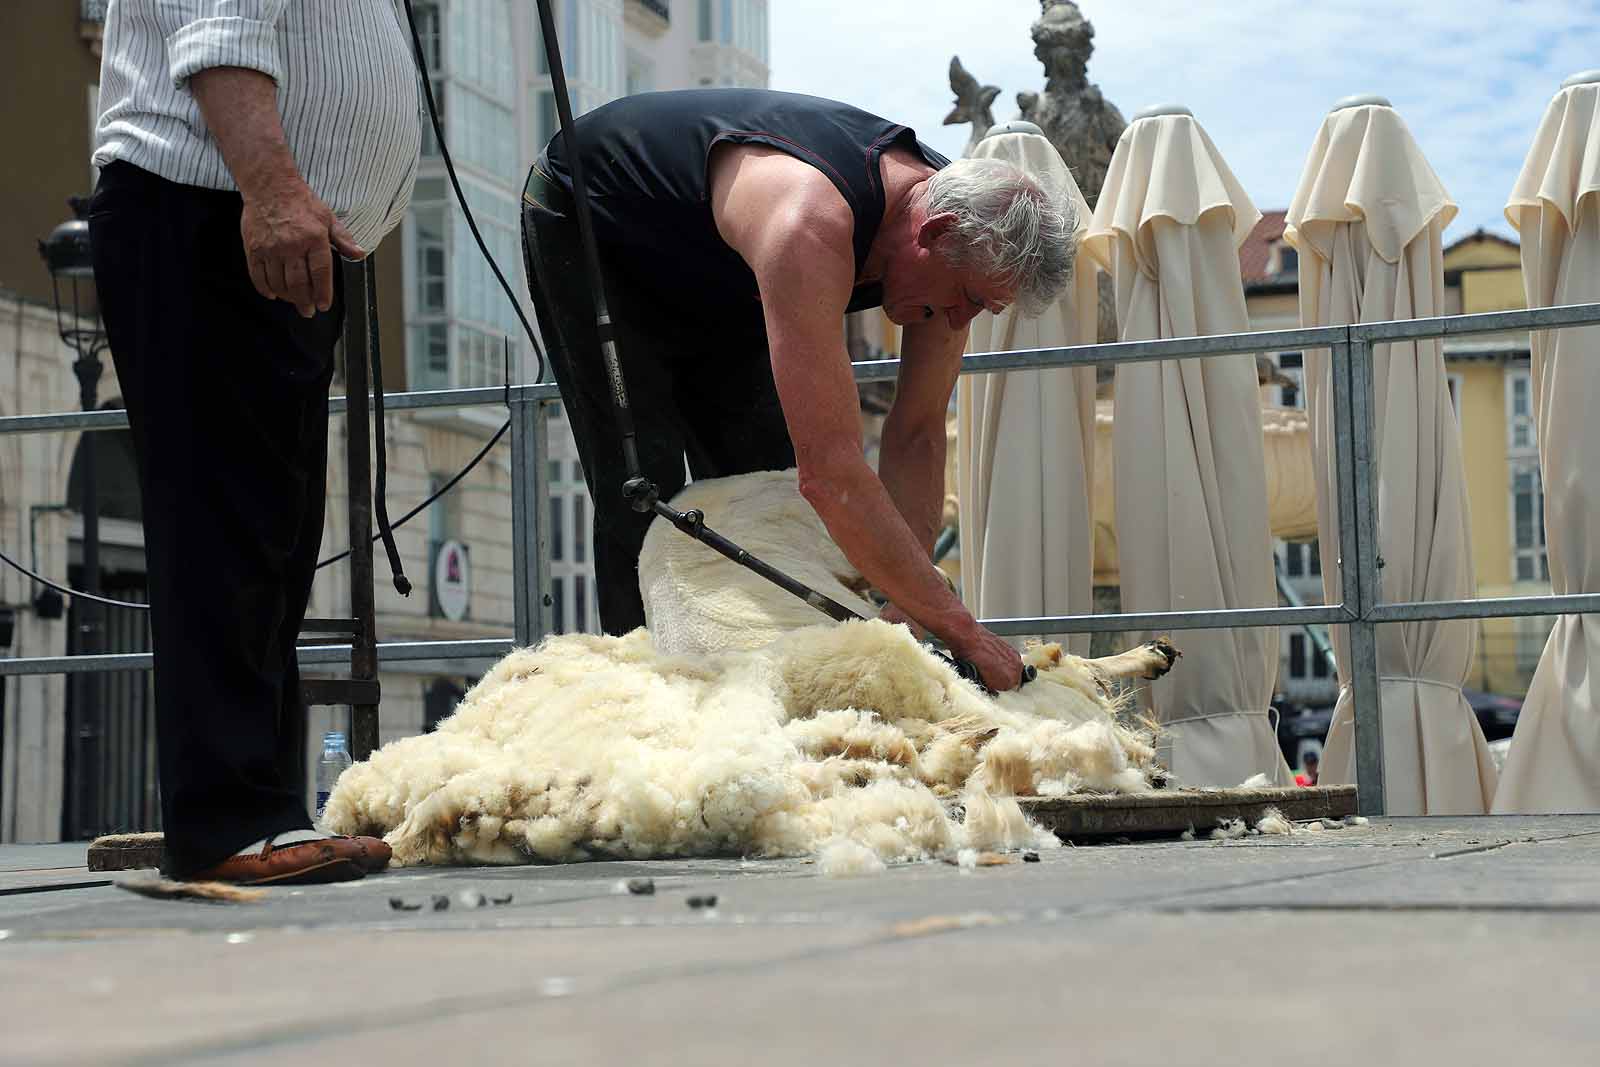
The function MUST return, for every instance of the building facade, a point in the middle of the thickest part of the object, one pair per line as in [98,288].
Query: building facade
[444,322]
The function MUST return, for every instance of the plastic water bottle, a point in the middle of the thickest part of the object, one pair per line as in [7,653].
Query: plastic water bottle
[335,758]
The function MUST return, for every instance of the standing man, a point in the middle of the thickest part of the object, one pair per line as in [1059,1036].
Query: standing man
[242,145]
[735,229]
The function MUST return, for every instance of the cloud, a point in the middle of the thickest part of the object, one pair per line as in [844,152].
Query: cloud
[1471,81]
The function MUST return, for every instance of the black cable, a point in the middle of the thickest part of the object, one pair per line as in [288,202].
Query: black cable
[407,517]
[441,491]
[397,570]
[71,591]
[461,198]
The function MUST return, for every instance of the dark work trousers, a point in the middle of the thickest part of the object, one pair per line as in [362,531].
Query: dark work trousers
[227,397]
[696,388]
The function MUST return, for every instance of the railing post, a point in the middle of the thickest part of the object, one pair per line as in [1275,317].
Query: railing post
[530,504]
[1364,683]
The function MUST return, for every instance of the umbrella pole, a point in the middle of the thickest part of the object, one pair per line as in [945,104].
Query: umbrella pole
[640,492]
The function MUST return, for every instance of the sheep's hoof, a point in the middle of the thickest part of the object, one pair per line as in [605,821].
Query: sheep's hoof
[1163,647]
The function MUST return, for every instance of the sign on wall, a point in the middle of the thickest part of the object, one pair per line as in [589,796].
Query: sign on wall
[452,580]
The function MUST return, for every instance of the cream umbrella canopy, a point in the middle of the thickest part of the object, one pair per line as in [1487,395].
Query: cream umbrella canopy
[1554,761]
[1191,498]
[1025,439]
[1367,219]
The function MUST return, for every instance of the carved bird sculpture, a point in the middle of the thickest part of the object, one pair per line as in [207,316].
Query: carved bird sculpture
[973,103]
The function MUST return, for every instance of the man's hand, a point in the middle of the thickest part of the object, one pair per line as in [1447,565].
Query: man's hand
[287,231]
[998,663]
[287,234]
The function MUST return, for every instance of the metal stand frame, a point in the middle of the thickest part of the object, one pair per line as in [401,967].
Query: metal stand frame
[361,690]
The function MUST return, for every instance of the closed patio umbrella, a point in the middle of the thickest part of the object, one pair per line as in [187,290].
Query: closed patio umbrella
[1191,497]
[1025,439]
[1367,219]
[1554,761]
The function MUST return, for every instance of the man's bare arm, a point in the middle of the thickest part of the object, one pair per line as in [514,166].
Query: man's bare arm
[287,231]
[911,457]
[796,239]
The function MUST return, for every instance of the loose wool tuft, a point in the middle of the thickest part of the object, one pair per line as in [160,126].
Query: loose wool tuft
[1275,822]
[850,741]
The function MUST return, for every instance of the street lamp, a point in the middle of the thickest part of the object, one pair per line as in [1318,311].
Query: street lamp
[66,253]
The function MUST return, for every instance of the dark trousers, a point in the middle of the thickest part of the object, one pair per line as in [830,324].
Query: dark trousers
[698,387]
[227,397]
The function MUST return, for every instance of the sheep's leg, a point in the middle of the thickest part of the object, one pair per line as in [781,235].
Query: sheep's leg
[1149,660]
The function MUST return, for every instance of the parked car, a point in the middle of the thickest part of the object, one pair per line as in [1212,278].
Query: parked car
[1299,725]
[1497,714]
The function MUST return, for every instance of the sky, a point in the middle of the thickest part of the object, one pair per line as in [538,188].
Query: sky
[1471,78]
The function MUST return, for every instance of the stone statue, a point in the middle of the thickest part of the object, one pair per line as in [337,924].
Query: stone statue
[1078,120]
[1082,124]
[973,103]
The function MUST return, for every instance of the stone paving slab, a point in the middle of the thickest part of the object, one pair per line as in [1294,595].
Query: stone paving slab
[1408,941]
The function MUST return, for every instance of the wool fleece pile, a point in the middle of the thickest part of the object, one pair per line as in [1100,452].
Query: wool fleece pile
[842,740]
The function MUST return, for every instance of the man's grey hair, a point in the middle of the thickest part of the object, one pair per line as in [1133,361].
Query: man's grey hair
[1008,228]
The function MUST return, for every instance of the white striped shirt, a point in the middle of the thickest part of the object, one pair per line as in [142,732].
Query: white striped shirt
[347,95]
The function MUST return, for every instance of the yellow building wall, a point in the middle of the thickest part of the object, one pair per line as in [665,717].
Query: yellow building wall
[1492,290]
[1483,453]
[1267,307]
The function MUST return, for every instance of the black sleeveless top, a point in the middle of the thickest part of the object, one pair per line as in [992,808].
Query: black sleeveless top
[645,159]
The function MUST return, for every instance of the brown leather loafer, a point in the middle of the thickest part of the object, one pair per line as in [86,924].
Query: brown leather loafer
[336,859]
[374,853]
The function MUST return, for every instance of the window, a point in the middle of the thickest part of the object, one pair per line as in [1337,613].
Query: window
[430,348]
[641,74]
[572,55]
[429,28]
[1288,259]
[558,605]
[549,121]
[705,20]
[1292,366]
[1531,634]
[580,530]
[726,29]
[439,700]
[1529,562]
[1297,655]
[444,514]
[1292,564]
[1314,552]
[429,244]
[1521,434]
[580,603]
[1319,663]
[557,548]
[555,471]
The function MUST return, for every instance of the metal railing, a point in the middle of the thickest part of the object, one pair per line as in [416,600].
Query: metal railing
[1360,607]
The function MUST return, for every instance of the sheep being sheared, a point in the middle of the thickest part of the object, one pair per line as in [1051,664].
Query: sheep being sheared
[694,743]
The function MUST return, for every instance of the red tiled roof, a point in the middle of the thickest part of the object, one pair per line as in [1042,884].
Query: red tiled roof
[1255,253]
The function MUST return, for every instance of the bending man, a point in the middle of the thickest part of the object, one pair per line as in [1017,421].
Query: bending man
[736,228]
